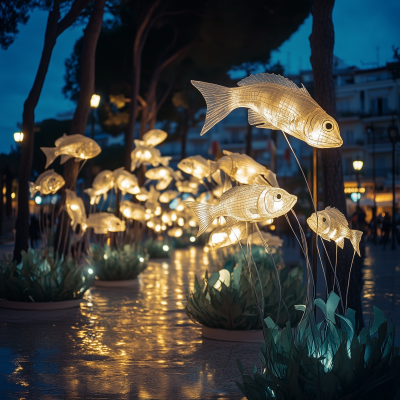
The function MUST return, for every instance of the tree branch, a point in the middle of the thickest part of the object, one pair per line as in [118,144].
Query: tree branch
[69,18]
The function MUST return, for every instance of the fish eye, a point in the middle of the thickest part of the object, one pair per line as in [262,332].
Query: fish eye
[278,197]
[328,126]
[323,219]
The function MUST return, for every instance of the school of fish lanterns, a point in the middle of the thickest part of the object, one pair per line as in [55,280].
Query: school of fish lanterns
[235,191]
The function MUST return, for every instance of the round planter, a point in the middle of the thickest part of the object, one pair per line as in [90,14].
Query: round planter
[232,336]
[116,284]
[40,306]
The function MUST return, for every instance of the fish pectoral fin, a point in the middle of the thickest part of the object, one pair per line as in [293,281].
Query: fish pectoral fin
[65,158]
[230,221]
[256,119]
[340,242]
[267,125]
[227,153]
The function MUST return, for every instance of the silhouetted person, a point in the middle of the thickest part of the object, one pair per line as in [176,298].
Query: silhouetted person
[34,230]
[361,218]
[386,227]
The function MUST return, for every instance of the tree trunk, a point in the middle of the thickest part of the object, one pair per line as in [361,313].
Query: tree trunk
[81,115]
[185,129]
[28,122]
[322,42]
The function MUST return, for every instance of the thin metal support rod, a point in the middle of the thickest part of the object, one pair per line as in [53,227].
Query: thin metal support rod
[315,236]
[394,197]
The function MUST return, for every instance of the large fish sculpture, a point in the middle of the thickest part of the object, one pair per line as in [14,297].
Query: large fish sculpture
[274,102]
[75,209]
[199,167]
[102,184]
[252,203]
[104,222]
[77,146]
[333,225]
[49,182]
[244,169]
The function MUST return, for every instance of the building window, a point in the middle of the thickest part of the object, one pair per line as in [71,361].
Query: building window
[348,137]
[362,100]
[379,106]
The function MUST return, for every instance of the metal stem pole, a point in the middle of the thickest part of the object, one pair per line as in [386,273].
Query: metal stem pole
[315,236]
[92,134]
[374,179]
[358,187]
[394,199]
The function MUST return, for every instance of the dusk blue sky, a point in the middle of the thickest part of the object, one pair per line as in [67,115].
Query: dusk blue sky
[360,27]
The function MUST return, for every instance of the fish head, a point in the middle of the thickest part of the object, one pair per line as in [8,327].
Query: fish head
[116,225]
[88,149]
[322,131]
[320,225]
[278,202]
[186,165]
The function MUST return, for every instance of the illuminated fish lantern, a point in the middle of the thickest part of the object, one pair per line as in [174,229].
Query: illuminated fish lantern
[102,184]
[168,196]
[270,240]
[199,167]
[75,208]
[333,225]
[190,186]
[224,278]
[152,205]
[244,169]
[163,175]
[154,223]
[126,182]
[175,232]
[250,203]
[49,182]
[132,210]
[77,146]
[228,236]
[274,102]
[143,194]
[145,152]
[104,222]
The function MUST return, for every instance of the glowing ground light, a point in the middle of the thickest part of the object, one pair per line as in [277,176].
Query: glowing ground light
[90,271]
[38,200]
[165,247]
[355,197]
[141,259]
[192,239]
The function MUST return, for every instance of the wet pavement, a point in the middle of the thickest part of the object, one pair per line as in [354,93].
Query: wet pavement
[139,344]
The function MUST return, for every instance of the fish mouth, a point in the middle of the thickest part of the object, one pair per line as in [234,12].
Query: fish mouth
[324,141]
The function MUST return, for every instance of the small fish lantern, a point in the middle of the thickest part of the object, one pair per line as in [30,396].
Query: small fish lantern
[126,182]
[75,208]
[49,182]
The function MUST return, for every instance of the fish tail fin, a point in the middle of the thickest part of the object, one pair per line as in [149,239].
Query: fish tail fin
[220,102]
[204,213]
[50,153]
[214,166]
[32,189]
[165,161]
[355,239]
[91,195]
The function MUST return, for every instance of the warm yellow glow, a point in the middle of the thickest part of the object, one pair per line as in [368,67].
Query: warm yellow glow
[175,232]
[150,224]
[74,207]
[4,190]
[127,213]
[354,190]
[95,101]
[173,217]
[192,223]
[181,221]
[18,137]
[157,228]
[357,165]
[147,155]
[192,239]
[158,211]
[263,95]
[13,195]
[272,227]
[269,221]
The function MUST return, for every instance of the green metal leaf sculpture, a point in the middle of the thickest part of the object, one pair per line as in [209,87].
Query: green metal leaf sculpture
[326,361]
[157,249]
[117,264]
[42,277]
[234,306]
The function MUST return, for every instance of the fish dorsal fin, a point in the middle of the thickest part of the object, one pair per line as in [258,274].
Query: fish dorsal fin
[227,153]
[336,214]
[268,78]
[60,140]
[305,91]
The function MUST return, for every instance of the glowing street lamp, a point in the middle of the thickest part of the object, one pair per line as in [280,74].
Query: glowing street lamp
[18,137]
[94,103]
[357,165]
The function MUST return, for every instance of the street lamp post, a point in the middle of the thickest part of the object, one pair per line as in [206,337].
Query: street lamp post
[94,103]
[393,133]
[371,130]
[357,165]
